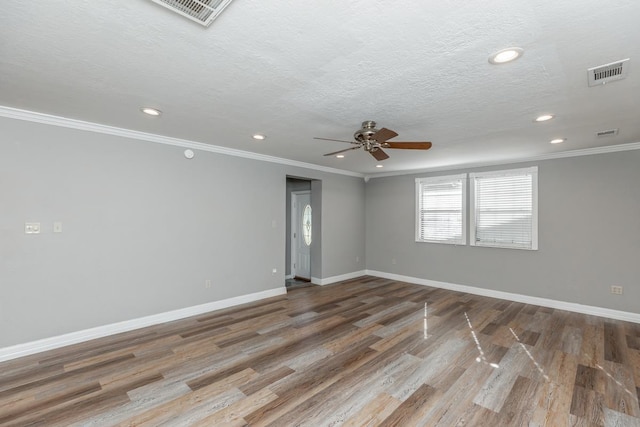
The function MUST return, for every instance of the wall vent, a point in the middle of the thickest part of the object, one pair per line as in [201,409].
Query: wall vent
[201,11]
[608,72]
[609,132]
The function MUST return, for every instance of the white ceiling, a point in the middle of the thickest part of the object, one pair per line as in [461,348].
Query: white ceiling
[298,69]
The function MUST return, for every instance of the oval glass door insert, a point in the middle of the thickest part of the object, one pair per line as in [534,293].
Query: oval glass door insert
[306,225]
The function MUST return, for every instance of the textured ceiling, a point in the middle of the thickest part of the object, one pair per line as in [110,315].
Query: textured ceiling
[294,70]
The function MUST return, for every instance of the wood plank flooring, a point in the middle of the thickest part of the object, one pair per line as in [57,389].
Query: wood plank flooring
[357,353]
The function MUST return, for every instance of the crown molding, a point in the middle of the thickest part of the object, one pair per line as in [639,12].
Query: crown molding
[48,119]
[550,156]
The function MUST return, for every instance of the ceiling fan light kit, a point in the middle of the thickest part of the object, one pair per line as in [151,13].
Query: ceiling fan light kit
[374,140]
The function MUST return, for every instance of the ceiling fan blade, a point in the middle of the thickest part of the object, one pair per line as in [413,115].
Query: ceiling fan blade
[379,154]
[409,145]
[342,151]
[337,140]
[383,134]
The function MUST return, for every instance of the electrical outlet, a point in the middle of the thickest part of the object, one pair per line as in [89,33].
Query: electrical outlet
[207,283]
[357,259]
[274,271]
[393,261]
[616,290]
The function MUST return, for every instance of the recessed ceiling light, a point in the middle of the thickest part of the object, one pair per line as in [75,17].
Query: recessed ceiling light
[151,111]
[544,117]
[506,55]
[259,137]
[379,166]
[558,140]
[340,156]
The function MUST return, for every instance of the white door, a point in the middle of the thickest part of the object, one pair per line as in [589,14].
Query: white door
[301,237]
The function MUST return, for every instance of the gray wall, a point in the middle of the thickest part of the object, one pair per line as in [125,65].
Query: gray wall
[589,235]
[143,228]
[342,223]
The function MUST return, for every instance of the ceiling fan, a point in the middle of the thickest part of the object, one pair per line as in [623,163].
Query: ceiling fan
[374,140]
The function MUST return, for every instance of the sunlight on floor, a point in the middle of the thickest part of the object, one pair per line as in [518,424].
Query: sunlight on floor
[482,357]
[622,386]
[537,365]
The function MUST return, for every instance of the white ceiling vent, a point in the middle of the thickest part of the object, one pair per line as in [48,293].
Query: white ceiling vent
[608,132]
[201,11]
[608,72]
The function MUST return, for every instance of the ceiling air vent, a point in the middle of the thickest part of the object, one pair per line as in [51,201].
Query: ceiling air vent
[608,72]
[201,11]
[609,132]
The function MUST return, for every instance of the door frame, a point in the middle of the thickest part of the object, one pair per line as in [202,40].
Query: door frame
[294,230]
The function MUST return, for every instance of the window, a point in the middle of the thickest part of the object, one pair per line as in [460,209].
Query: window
[504,208]
[441,209]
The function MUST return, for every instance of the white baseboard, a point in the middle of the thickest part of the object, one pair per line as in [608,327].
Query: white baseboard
[289,276]
[544,302]
[340,278]
[38,346]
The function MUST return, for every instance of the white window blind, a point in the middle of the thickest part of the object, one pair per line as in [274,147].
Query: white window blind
[504,208]
[441,209]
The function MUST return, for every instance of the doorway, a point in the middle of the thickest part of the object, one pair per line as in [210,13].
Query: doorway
[303,254]
[301,235]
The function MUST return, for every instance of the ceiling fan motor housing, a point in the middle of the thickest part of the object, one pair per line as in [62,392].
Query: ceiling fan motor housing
[364,135]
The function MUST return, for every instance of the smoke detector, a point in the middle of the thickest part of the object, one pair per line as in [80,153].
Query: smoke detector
[608,72]
[200,11]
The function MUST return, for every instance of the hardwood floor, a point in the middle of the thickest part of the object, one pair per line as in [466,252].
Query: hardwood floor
[357,353]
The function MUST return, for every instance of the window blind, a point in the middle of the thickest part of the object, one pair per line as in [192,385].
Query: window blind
[441,206]
[504,209]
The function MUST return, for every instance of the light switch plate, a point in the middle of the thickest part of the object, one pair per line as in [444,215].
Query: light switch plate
[32,228]
[57,227]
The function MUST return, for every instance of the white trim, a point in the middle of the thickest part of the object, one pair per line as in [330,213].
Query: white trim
[31,116]
[526,299]
[335,279]
[551,156]
[33,347]
[534,208]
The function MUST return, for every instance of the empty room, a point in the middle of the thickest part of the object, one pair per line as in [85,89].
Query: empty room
[339,213]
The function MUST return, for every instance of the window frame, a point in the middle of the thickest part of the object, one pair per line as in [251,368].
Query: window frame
[533,171]
[463,208]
